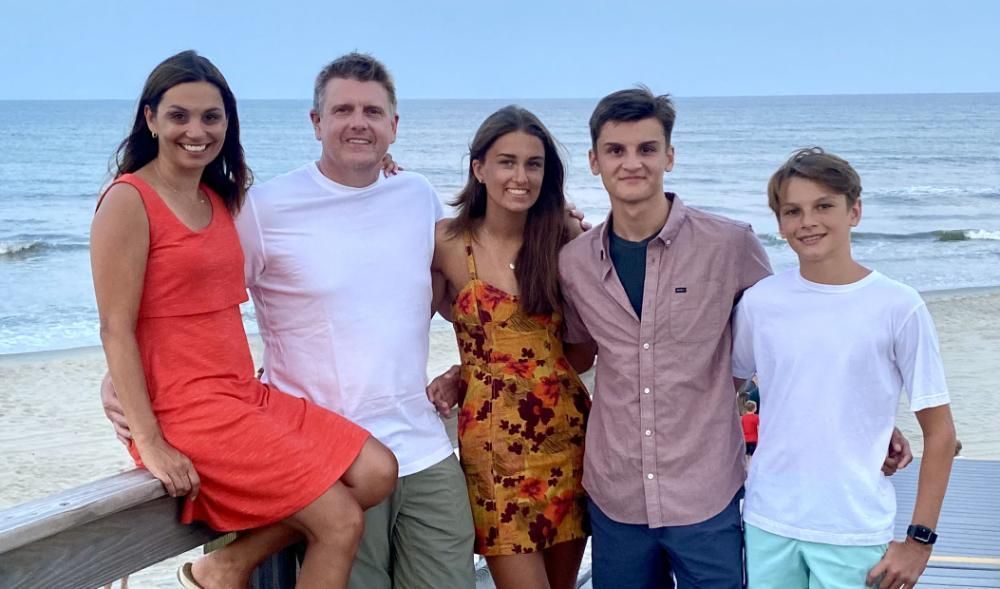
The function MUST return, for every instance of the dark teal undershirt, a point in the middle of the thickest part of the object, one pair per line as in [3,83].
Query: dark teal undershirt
[629,260]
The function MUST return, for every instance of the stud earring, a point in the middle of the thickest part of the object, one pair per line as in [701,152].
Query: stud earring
[153,133]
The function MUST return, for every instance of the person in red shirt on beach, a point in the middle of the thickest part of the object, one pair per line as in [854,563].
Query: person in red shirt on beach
[750,422]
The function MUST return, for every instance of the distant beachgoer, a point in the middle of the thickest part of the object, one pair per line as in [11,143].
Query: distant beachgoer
[168,274]
[750,422]
[833,344]
[523,409]
[753,392]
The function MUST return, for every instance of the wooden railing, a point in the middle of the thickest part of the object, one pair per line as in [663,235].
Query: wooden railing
[93,534]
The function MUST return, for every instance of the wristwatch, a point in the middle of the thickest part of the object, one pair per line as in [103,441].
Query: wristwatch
[921,534]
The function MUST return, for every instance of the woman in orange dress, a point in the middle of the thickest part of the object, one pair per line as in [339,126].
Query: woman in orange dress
[168,274]
[523,409]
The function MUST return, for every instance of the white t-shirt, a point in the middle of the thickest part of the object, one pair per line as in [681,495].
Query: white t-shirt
[830,362]
[340,278]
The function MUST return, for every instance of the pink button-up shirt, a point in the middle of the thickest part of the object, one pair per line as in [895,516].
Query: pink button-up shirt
[664,443]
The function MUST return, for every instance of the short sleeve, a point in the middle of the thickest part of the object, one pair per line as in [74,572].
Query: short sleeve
[251,240]
[438,209]
[744,364]
[918,358]
[574,330]
[755,265]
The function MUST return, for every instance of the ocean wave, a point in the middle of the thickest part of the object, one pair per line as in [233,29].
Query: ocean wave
[939,235]
[910,193]
[20,249]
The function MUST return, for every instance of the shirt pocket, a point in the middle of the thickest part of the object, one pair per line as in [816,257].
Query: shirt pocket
[696,311]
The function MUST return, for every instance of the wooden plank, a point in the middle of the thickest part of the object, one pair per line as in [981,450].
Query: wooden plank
[28,522]
[969,525]
[91,554]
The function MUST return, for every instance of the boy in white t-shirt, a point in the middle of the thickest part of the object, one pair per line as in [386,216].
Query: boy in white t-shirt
[832,344]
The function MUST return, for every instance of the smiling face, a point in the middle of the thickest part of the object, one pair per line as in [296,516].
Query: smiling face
[356,124]
[816,221]
[190,123]
[631,159]
[512,171]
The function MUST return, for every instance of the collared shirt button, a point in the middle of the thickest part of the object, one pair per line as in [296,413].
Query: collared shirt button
[649,476]
[646,390]
[645,346]
[668,242]
[649,433]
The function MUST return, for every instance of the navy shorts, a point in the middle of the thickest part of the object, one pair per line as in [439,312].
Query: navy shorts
[706,555]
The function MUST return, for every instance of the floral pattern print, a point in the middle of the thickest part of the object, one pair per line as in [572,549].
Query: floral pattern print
[520,425]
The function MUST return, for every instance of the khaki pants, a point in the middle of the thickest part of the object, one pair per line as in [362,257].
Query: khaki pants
[421,537]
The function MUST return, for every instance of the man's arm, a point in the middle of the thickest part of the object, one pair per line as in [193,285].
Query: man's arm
[113,410]
[581,356]
[899,455]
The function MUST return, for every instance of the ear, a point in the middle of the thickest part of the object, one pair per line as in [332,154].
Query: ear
[595,169]
[477,170]
[854,214]
[395,126]
[150,118]
[670,159]
[314,118]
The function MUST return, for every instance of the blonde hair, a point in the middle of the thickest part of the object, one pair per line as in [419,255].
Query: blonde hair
[751,406]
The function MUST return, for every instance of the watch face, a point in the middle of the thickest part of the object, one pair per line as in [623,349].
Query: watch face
[921,534]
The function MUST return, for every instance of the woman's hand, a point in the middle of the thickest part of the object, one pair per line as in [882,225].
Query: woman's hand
[172,468]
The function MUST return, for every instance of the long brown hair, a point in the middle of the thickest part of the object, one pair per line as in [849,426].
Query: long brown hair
[545,230]
[228,174]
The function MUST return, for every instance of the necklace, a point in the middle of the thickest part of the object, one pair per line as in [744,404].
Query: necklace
[173,189]
[494,238]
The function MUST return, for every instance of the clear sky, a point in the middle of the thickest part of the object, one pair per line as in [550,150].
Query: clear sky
[75,49]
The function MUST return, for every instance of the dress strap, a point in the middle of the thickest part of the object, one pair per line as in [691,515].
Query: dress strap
[470,260]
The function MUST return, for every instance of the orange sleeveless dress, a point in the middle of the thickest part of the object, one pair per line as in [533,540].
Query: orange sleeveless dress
[262,455]
[521,423]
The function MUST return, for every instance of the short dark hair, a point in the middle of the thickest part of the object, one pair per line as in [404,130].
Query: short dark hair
[812,163]
[634,104]
[361,67]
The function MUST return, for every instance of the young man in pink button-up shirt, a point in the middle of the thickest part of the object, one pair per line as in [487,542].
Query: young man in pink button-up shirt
[654,287]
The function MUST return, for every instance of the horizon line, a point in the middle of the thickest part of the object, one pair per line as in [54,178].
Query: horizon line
[680,96]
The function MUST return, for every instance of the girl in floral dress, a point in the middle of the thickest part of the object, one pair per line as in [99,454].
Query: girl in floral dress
[523,409]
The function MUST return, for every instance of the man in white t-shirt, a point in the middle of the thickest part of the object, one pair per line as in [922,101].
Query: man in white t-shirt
[337,260]
[338,263]
[832,344]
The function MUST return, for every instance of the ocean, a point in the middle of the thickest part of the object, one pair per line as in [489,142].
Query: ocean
[930,166]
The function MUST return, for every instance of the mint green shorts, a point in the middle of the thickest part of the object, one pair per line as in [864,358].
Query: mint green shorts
[777,562]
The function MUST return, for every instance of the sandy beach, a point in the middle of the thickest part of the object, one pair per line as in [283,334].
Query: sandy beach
[53,434]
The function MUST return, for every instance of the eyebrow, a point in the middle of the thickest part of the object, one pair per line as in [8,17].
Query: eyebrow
[514,156]
[183,109]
